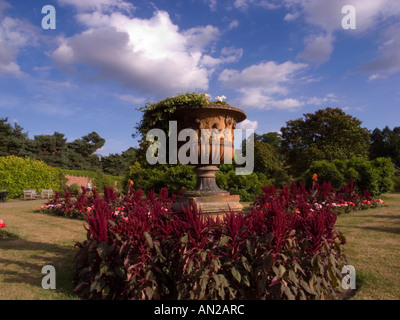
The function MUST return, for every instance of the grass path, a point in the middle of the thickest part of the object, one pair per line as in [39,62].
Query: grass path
[42,240]
[373,248]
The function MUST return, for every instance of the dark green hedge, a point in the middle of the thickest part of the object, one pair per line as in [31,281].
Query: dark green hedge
[376,175]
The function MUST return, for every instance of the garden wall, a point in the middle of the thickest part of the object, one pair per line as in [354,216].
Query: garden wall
[80,181]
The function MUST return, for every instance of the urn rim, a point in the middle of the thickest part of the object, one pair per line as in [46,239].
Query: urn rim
[238,114]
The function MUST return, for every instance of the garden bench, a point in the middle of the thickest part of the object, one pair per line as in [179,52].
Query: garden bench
[3,195]
[47,193]
[31,194]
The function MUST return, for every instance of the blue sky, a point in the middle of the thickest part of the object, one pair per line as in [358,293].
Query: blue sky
[276,60]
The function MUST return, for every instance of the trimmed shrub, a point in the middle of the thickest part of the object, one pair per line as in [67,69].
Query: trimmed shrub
[17,174]
[385,170]
[246,186]
[375,176]
[326,171]
[180,177]
[367,175]
[74,189]
[175,177]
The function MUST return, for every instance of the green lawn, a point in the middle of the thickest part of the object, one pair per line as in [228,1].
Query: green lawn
[42,240]
[373,242]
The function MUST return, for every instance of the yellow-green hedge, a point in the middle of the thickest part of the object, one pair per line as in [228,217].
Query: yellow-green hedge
[17,174]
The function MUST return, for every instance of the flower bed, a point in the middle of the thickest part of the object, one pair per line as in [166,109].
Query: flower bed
[320,196]
[284,247]
[74,208]
[283,250]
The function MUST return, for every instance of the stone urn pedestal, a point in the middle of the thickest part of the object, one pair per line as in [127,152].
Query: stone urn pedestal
[211,123]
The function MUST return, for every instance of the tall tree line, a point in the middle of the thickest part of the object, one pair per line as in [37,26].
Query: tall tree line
[327,134]
[55,151]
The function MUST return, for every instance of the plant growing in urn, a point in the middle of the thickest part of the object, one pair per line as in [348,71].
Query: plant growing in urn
[208,128]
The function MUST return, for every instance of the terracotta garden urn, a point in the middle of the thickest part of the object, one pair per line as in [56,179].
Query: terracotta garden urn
[214,126]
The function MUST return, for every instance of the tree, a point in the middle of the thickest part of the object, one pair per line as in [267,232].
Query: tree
[273,138]
[112,164]
[118,164]
[52,149]
[267,159]
[87,145]
[81,152]
[12,140]
[327,134]
[386,143]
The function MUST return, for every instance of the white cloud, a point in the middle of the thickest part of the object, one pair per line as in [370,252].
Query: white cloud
[200,37]
[261,85]
[234,24]
[259,99]
[242,3]
[15,34]
[376,76]
[319,48]
[329,98]
[291,16]
[388,61]
[268,4]
[131,99]
[268,76]
[231,54]
[147,55]
[213,5]
[3,5]
[327,16]
[98,4]
[247,124]
[228,55]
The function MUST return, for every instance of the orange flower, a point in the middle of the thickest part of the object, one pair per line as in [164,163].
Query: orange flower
[131,182]
[315,177]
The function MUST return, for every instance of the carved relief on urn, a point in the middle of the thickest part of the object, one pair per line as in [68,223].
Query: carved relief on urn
[214,126]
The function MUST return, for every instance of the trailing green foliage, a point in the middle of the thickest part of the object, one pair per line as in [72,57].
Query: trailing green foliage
[17,174]
[156,115]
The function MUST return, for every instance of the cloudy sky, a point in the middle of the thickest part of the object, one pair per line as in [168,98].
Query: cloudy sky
[274,59]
